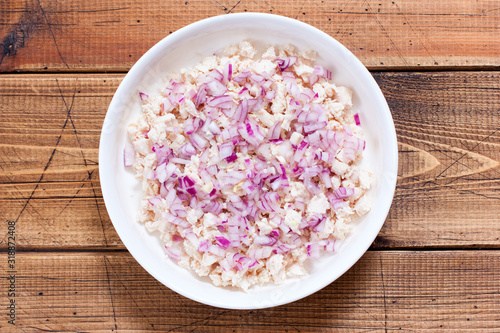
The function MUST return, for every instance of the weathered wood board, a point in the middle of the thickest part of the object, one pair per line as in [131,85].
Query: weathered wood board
[447,193]
[99,36]
[385,291]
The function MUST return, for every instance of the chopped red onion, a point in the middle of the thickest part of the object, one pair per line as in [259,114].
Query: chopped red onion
[244,91]
[180,160]
[175,220]
[274,132]
[348,130]
[226,150]
[307,95]
[321,71]
[254,263]
[243,262]
[313,138]
[214,207]
[173,253]
[255,104]
[163,190]
[228,72]
[233,177]
[286,62]
[314,127]
[311,187]
[204,158]
[241,111]
[217,250]
[215,74]
[190,94]
[251,133]
[177,239]
[242,76]
[344,192]
[356,119]
[283,248]
[231,158]
[201,95]
[325,178]
[161,172]
[222,101]
[212,169]
[203,247]
[313,250]
[265,240]
[225,265]
[330,245]
[186,151]
[177,209]
[292,88]
[170,170]
[192,125]
[170,197]
[216,88]
[198,141]
[222,242]
[191,237]
[162,153]
[240,195]
[155,200]
[214,128]
[128,155]
[256,78]
[270,95]
[320,226]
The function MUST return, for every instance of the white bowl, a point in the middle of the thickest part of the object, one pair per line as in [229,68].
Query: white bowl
[188,46]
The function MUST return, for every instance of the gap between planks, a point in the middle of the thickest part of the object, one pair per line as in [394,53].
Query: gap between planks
[406,69]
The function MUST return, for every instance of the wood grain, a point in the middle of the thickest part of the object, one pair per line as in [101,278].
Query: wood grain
[73,274]
[49,141]
[448,127]
[447,193]
[91,35]
[389,290]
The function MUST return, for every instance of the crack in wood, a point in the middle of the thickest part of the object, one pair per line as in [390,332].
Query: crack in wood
[74,196]
[413,29]
[384,31]
[75,132]
[384,295]
[52,33]
[44,169]
[204,320]
[300,9]
[465,154]
[229,11]
[130,294]
[110,292]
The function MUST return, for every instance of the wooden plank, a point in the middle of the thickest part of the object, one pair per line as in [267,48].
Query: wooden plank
[52,124]
[388,290]
[448,127]
[49,140]
[447,193]
[92,35]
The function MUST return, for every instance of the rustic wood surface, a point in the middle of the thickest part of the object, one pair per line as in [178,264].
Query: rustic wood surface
[449,141]
[94,35]
[102,292]
[434,265]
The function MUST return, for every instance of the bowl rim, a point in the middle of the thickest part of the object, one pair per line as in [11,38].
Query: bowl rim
[186,31]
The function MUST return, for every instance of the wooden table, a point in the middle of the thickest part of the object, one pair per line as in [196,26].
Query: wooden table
[434,266]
